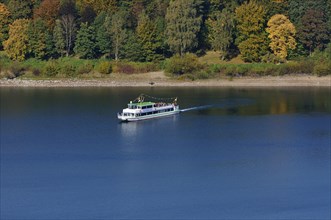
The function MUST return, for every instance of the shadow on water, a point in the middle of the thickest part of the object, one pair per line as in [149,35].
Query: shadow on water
[233,103]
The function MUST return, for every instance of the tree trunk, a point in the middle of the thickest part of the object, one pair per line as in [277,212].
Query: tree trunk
[68,23]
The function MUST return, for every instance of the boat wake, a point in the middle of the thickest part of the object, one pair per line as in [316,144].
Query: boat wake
[196,108]
[226,104]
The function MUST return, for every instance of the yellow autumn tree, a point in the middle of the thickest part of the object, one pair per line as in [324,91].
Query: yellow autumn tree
[4,22]
[281,34]
[251,37]
[16,46]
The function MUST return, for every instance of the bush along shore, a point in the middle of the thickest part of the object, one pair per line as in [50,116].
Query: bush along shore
[186,67]
[189,67]
[69,67]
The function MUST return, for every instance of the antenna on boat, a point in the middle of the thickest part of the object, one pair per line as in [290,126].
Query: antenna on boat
[140,98]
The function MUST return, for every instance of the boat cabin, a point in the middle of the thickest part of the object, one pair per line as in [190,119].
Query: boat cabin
[141,105]
[141,110]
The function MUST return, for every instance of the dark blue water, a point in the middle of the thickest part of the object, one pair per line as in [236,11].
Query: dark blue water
[253,154]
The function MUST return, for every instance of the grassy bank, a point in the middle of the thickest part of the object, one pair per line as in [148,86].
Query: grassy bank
[192,67]
[70,67]
[188,67]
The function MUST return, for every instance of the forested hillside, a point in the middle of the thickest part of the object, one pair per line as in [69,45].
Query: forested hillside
[149,30]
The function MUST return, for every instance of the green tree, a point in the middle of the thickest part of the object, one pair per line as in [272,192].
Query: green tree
[116,29]
[50,47]
[221,28]
[58,38]
[132,49]
[150,37]
[109,6]
[137,8]
[87,14]
[251,36]
[103,38]
[183,25]
[275,7]
[281,33]
[254,48]
[156,8]
[297,8]
[85,45]
[68,7]
[4,23]
[17,44]
[313,31]
[38,38]
[20,8]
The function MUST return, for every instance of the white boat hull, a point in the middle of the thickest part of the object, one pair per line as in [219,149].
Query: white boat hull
[145,117]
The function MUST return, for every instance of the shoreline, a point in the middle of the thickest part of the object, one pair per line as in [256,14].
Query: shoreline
[157,79]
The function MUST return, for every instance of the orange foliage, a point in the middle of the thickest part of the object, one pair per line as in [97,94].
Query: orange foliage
[4,20]
[48,11]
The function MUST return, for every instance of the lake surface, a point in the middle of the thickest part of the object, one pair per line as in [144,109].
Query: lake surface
[254,154]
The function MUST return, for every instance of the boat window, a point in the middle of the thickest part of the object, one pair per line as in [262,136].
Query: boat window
[131,106]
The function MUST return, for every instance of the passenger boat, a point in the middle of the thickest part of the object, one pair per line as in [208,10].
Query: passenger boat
[139,109]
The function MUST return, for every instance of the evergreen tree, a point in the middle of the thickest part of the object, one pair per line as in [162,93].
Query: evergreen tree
[38,36]
[221,29]
[103,38]
[87,14]
[50,47]
[149,37]
[275,7]
[132,49]
[58,38]
[183,24]
[156,8]
[85,45]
